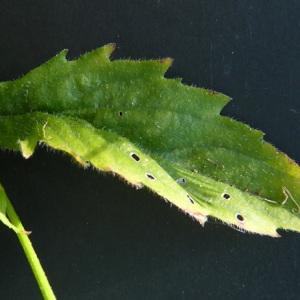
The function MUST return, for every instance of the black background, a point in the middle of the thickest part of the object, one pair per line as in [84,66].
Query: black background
[98,238]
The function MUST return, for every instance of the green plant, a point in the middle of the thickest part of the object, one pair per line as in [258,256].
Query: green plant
[124,117]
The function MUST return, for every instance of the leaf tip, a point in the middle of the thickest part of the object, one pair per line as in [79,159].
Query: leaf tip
[166,61]
[112,46]
[62,54]
[109,48]
[197,216]
[27,148]
[24,232]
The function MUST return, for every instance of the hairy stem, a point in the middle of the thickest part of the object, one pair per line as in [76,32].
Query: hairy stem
[31,255]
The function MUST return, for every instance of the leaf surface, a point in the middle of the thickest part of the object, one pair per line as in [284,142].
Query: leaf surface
[125,117]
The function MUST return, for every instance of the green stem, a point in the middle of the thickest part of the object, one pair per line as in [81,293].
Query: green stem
[34,262]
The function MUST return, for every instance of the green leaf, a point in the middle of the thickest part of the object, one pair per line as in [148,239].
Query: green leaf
[123,116]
